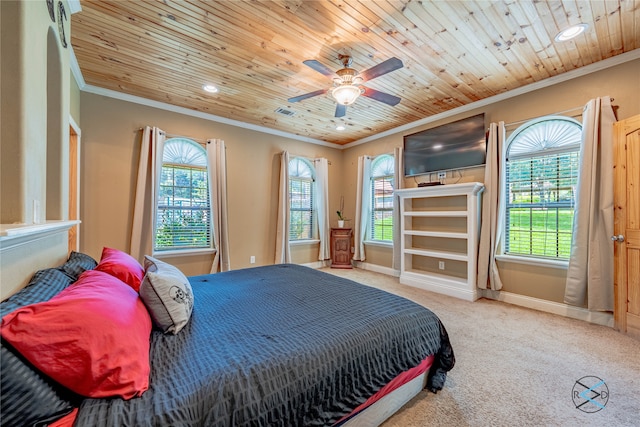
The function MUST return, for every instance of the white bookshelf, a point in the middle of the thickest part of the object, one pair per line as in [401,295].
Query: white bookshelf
[440,227]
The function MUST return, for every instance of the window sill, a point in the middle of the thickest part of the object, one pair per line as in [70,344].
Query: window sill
[538,262]
[183,252]
[303,242]
[379,243]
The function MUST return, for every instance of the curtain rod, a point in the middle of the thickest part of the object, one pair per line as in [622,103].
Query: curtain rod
[198,140]
[576,109]
[306,157]
[170,135]
[581,108]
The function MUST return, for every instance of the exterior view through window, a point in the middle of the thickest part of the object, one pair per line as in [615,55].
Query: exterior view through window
[541,171]
[382,198]
[183,214]
[301,189]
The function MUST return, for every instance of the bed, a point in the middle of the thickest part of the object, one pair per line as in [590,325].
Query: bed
[276,345]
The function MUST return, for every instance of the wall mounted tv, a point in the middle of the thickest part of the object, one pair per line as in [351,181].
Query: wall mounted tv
[456,145]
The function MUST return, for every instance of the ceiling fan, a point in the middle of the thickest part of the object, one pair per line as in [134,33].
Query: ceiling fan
[347,83]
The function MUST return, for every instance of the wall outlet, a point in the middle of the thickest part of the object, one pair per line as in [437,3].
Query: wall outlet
[442,175]
[252,260]
[441,265]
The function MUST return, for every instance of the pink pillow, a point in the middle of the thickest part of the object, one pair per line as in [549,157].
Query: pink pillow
[121,265]
[93,337]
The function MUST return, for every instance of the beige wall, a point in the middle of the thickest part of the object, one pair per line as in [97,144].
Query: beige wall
[34,138]
[621,82]
[110,151]
[74,99]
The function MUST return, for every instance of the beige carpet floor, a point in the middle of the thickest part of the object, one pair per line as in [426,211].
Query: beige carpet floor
[518,367]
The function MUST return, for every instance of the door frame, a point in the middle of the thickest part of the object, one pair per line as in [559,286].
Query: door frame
[74,184]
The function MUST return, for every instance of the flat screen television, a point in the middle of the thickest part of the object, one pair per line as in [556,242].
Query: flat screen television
[456,145]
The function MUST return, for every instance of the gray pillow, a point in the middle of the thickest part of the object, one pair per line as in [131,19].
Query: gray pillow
[167,294]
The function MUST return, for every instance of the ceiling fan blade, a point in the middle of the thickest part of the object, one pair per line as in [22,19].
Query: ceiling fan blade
[307,95]
[381,96]
[341,110]
[385,67]
[319,67]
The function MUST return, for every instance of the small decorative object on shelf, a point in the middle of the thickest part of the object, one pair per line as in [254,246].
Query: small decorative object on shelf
[62,17]
[52,11]
[341,218]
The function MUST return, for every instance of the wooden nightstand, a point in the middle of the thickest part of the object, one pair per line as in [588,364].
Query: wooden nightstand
[341,248]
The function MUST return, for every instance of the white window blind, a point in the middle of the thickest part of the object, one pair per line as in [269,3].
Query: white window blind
[541,177]
[183,214]
[382,170]
[301,189]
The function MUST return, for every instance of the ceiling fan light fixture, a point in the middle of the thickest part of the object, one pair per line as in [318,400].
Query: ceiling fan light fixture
[346,94]
[347,83]
[571,32]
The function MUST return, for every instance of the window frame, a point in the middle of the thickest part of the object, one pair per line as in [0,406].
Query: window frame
[384,178]
[311,181]
[556,153]
[175,164]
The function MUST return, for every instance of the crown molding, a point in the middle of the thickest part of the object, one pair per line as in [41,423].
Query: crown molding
[75,69]
[188,112]
[74,6]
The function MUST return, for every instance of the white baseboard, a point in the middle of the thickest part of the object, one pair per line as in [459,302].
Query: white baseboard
[376,268]
[317,264]
[439,285]
[579,313]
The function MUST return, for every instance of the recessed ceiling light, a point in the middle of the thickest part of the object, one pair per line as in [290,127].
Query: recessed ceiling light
[210,88]
[340,127]
[571,32]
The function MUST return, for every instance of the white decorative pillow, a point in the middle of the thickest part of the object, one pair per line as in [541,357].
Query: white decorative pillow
[167,294]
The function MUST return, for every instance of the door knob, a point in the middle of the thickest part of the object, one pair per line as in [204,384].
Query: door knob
[618,238]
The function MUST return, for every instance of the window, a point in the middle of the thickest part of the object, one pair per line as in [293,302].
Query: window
[301,189]
[541,170]
[382,199]
[183,214]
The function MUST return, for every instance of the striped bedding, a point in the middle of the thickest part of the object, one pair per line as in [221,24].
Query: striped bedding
[278,345]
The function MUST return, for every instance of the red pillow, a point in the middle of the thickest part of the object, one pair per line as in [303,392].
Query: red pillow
[121,265]
[93,337]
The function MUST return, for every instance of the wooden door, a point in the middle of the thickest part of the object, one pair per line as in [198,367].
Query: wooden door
[627,226]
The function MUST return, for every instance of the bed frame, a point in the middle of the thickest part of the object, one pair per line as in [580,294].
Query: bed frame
[388,405]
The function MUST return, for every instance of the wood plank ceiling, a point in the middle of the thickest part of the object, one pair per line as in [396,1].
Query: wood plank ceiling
[454,53]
